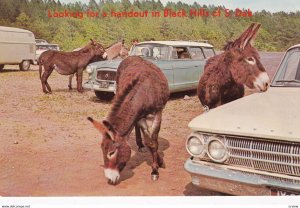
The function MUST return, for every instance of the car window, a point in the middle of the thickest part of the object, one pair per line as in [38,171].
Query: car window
[288,73]
[208,52]
[292,66]
[151,51]
[180,53]
[196,53]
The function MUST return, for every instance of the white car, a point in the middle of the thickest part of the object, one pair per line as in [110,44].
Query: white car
[251,146]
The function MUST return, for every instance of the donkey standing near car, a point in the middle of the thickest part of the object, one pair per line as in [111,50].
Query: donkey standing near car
[67,63]
[115,50]
[227,75]
[142,91]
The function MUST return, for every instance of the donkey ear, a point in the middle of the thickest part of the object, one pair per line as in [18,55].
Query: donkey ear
[98,125]
[108,125]
[252,36]
[247,36]
[92,41]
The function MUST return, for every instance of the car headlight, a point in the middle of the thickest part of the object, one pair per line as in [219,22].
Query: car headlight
[217,150]
[89,69]
[195,144]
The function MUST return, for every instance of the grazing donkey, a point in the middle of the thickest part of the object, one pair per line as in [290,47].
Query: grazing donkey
[142,90]
[67,63]
[115,50]
[228,74]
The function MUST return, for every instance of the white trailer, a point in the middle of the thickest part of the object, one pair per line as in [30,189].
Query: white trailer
[17,46]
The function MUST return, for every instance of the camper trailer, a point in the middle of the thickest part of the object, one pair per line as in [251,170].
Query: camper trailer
[17,46]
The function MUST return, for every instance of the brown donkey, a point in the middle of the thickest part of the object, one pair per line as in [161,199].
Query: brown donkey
[67,63]
[228,74]
[115,50]
[142,90]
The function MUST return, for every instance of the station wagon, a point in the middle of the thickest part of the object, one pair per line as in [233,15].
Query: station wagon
[182,62]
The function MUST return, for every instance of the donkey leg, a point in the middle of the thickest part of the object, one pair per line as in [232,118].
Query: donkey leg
[44,81]
[154,136]
[79,80]
[70,81]
[152,146]
[138,139]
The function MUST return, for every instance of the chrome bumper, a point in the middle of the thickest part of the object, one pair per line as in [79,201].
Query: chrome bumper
[95,86]
[219,178]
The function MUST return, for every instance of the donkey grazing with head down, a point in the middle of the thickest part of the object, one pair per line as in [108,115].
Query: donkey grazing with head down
[115,50]
[142,90]
[227,75]
[67,63]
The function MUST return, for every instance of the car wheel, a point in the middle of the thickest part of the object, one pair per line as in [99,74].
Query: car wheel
[1,67]
[25,65]
[104,95]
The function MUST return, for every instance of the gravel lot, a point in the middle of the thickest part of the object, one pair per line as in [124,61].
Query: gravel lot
[48,148]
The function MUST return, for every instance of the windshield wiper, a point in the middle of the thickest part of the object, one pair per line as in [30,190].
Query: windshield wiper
[289,80]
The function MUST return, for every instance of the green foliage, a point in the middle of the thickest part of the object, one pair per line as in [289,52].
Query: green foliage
[279,30]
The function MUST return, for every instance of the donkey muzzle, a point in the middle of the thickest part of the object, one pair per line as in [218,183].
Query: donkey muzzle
[262,82]
[104,56]
[112,175]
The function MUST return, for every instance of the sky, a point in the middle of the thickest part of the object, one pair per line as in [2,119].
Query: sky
[254,5]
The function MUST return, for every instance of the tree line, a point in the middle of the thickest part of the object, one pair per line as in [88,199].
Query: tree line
[279,30]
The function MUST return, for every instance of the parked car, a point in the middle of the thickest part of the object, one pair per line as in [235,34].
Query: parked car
[17,47]
[42,47]
[181,61]
[251,146]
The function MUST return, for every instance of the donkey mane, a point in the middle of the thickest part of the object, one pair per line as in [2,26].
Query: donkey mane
[114,116]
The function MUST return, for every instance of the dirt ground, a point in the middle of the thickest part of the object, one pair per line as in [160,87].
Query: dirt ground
[49,148]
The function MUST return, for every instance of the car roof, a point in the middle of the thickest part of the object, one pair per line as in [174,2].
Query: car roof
[178,43]
[14,29]
[294,46]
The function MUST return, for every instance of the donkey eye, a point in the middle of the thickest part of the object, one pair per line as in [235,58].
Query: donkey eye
[112,154]
[250,60]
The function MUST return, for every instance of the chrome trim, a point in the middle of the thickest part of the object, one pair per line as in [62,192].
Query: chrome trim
[261,154]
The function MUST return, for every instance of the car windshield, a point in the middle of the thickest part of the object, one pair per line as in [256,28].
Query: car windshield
[151,51]
[288,73]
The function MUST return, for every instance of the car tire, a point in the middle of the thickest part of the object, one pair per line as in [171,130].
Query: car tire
[1,67]
[25,65]
[104,95]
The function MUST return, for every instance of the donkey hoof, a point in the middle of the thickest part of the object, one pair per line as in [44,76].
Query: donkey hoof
[154,177]
[70,88]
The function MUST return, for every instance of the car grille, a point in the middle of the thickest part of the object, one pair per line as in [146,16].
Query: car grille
[106,75]
[272,156]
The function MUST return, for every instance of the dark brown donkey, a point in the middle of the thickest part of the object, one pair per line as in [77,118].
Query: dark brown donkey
[115,50]
[227,75]
[67,63]
[142,90]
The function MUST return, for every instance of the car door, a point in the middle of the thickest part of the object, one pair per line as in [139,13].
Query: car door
[199,60]
[185,69]
[160,54]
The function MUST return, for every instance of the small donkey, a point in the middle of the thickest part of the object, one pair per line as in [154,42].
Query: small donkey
[228,74]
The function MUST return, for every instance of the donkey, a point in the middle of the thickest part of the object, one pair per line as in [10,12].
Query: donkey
[67,63]
[227,75]
[142,91]
[115,50]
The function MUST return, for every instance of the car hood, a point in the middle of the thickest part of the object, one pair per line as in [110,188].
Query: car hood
[274,114]
[112,64]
